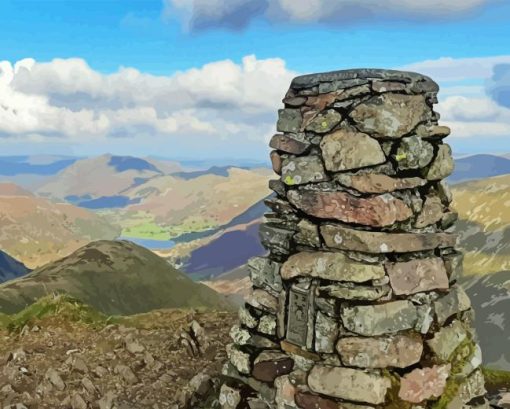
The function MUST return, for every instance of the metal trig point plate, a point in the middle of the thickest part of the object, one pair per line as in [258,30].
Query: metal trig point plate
[297,324]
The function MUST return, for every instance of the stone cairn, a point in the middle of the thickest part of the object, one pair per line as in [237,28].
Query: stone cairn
[357,304]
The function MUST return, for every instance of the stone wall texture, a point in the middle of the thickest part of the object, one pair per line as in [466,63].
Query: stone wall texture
[357,305]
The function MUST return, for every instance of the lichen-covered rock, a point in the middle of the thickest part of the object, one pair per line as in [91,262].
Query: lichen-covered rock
[241,337]
[267,325]
[380,319]
[434,131]
[447,339]
[277,186]
[471,388]
[289,120]
[329,266]
[263,300]
[326,333]
[419,275]
[324,122]
[474,362]
[390,115]
[443,165]
[453,265]
[285,392]
[349,384]
[377,211]
[431,212]
[240,359]
[388,86]
[356,306]
[276,162]
[276,239]
[347,149]
[247,319]
[349,291]
[378,183]
[294,101]
[424,384]
[399,351]
[229,398]
[302,170]
[321,101]
[413,153]
[308,234]
[353,92]
[454,302]
[289,143]
[265,272]
[340,237]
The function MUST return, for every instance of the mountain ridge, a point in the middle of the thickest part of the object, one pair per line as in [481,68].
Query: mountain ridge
[114,277]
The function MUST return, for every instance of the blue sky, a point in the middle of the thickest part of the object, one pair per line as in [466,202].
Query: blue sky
[161,38]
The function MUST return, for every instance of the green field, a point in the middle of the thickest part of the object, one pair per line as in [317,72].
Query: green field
[143,225]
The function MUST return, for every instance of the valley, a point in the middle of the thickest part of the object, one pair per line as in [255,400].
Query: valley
[205,223]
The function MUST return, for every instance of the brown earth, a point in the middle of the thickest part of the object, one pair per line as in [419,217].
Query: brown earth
[141,363]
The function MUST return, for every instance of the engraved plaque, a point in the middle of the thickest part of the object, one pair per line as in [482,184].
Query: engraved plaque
[297,323]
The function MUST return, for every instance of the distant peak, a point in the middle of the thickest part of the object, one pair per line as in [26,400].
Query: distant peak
[11,189]
[124,163]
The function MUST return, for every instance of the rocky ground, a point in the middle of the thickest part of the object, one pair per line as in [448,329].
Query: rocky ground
[72,358]
[144,362]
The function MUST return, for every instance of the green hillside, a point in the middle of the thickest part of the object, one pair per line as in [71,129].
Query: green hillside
[484,224]
[115,277]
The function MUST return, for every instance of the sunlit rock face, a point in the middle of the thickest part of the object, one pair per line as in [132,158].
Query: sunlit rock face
[356,305]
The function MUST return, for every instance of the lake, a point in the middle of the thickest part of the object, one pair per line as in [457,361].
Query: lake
[149,243]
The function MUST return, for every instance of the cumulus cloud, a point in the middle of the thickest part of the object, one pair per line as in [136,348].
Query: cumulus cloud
[237,14]
[499,85]
[476,101]
[478,117]
[458,69]
[221,102]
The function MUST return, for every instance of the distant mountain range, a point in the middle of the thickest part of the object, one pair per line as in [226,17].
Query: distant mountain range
[36,230]
[99,182]
[11,268]
[37,165]
[115,277]
[160,200]
[479,167]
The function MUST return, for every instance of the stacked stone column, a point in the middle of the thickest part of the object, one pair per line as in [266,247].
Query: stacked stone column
[357,303]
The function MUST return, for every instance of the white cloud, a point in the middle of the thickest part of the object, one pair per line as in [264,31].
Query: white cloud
[221,102]
[472,110]
[237,14]
[458,69]
[474,117]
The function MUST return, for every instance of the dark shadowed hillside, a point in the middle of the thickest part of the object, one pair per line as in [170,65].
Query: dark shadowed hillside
[10,268]
[115,277]
[490,296]
[230,250]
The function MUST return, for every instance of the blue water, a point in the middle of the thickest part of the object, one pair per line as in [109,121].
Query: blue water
[108,202]
[150,244]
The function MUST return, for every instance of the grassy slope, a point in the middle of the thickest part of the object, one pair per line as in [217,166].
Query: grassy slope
[173,206]
[37,231]
[484,225]
[115,278]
